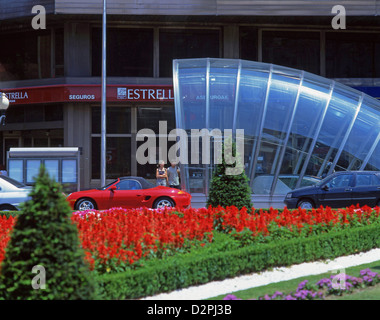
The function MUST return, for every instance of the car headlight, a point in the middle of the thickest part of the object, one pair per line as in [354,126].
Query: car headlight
[289,195]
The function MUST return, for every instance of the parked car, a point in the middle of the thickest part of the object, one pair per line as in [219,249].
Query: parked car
[12,193]
[341,189]
[129,192]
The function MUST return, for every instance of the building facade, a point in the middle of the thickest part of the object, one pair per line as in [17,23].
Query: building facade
[52,75]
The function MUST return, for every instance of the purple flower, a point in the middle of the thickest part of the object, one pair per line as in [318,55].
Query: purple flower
[344,283]
[304,294]
[323,282]
[277,294]
[231,297]
[367,272]
[368,279]
[340,276]
[302,285]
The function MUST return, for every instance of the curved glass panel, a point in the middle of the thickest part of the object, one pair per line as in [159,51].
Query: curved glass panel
[298,127]
[341,110]
[374,160]
[192,88]
[281,99]
[362,137]
[222,82]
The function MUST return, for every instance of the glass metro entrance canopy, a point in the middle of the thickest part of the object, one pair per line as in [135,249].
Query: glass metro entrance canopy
[298,127]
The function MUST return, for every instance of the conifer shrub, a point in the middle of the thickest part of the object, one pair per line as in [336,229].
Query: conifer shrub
[230,189]
[44,237]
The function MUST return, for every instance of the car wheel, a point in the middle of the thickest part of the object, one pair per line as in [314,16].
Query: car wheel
[305,204]
[85,204]
[163,202]
[7,207]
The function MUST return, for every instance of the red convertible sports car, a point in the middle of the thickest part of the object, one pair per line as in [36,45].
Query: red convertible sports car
[129,192]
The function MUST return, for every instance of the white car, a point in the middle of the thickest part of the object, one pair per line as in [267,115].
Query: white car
[12,193]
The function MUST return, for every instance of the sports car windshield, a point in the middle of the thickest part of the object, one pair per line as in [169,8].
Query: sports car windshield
[145,184]
[106,186]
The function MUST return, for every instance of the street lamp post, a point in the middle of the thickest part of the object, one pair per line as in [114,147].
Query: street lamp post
[4,104]
[103,148]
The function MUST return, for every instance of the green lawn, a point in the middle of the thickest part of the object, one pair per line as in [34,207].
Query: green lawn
[372,293]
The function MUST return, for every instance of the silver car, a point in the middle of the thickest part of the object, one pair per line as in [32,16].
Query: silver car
[12,193]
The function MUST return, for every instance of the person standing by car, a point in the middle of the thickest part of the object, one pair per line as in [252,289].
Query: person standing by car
[173,175]
[161,174]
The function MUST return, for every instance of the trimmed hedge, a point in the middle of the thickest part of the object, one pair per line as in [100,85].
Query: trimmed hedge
[212,264]
[229,183]
[44,236]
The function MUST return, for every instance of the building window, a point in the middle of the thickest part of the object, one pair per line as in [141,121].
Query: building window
[294,49]
[187,43]
[35,114]
[15,169]
[248,43]
[129,52]
[29,55]
[15,114]
[52,166]
[118,120]
[118,158]
[122,125]
[32,168]
[118,142]
[53,112]
[352,55]
[38,113]
[59,53]
[149,118]
[69,171]
[41,138]
[20,60]
[44,56]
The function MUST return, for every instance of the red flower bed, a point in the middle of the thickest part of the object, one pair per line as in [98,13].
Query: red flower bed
[121,235]
[6,225]
[117,238]
[259,222]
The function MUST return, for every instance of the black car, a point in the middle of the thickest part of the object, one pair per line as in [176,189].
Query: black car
[341,189]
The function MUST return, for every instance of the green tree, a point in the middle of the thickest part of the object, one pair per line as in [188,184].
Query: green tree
[230,184]
[45,236]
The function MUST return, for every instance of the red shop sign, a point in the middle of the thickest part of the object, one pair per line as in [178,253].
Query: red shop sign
[89,93]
